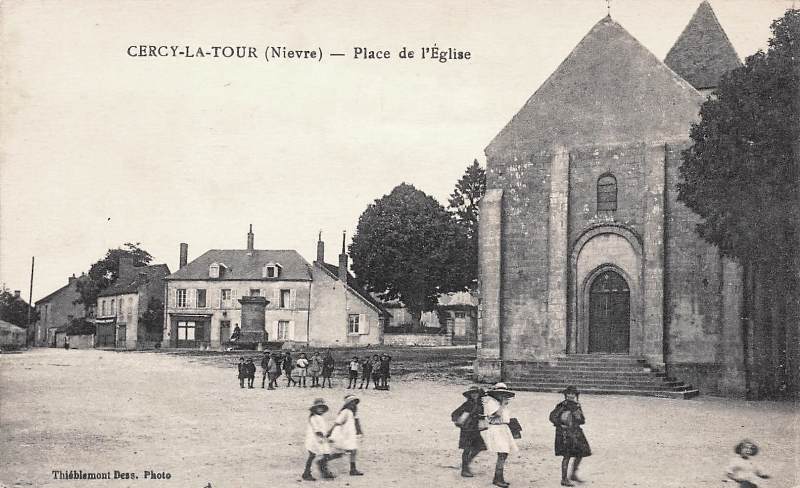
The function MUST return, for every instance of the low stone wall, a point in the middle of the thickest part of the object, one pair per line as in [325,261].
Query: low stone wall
[417,340]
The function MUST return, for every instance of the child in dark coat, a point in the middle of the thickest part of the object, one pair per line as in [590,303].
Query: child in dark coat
[288,366]
[570,441]
[384,369]
[242,366]
[466,417]
[366,372]
[251,373]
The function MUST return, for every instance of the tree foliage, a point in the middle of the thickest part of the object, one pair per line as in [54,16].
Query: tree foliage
[406,247]
[740,175]
[152,318]
[105,271]
[463,202]
[15,310]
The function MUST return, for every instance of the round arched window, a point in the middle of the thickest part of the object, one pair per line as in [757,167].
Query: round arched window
[606,192]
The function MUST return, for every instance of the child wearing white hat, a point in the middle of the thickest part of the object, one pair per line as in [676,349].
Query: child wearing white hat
[345,432]
[317,440]
[498,436]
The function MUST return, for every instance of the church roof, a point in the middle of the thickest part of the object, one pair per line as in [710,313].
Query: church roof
[610,89]
[703,52]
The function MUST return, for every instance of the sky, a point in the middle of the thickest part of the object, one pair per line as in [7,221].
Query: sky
[99,148]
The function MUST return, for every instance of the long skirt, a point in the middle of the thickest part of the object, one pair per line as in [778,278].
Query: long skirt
[472,440]
[498,438]
[571,443]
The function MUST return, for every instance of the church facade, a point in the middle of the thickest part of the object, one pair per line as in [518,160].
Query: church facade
[584,247]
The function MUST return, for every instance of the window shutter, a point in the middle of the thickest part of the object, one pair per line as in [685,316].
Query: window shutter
[276,298]
[363,324]
[293,299]
[190,298]
[234,298]
[171,298]
[219,298]
[291,330]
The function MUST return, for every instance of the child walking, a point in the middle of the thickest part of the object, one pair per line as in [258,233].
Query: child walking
[317,443]
[570,441]
[366,372]
[498,436]
[345,432]
[742,469]
[467,417]
[352,372]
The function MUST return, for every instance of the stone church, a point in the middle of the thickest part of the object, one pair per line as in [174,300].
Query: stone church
[584,248]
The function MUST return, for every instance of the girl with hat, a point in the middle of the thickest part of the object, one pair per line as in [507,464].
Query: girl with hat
[497,436]
[317,440]
[345,432]
[743,470]
[570,442]
[467,417]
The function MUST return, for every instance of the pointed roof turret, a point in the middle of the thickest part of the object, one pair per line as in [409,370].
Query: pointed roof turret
[703,52]
[610,89]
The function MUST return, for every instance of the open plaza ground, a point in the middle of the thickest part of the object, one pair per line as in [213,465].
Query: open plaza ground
[184,414]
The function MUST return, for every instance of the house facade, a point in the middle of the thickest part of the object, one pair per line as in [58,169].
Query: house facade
[57,310]
[209,297]
[584,246]
[119,308]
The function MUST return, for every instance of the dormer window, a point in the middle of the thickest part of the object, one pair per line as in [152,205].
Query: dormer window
[271,270]
[213,270]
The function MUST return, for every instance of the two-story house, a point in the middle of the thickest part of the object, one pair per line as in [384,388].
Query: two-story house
[120,307]
[56,311]
[305,303]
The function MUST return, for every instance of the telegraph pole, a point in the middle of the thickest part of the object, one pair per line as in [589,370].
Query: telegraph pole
[30,305]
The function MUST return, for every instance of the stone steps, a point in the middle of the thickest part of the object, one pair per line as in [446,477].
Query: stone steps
[597,374]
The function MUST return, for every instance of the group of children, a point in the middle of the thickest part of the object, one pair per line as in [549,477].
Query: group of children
[376,369]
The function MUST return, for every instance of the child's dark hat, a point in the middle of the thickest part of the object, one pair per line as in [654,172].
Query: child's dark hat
[319,404]
[474,389]
[745,442]
[570,390]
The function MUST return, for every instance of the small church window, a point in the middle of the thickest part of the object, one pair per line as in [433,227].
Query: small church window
[607,192]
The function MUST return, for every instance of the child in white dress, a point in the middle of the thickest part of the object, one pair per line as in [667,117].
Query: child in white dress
[345,432]
[742,468]
[317,442]
[498,437]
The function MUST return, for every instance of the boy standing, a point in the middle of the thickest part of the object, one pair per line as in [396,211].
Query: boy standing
[366,372]
[251,372]
[353,372]
[242,372]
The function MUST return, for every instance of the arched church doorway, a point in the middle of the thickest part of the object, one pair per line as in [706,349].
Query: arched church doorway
[609,314]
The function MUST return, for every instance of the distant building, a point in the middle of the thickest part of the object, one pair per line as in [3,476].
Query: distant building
[11,336]
[57,310]
[271,295]
[120,306]
[455,316]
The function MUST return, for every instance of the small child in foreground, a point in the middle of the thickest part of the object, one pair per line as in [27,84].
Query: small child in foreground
[742,468]
[317,442]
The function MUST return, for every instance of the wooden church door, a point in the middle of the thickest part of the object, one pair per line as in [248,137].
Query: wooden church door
[609,314]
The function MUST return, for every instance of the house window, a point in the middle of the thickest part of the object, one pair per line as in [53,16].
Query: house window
[225,297]
[271,270]
[181,297]
[607,192]
[286,298]
[255,292]
[103,308]
[213,270]
[186,330]
[201,298]
[283,330]
[352,324]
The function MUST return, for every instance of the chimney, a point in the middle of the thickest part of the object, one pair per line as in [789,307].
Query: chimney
[320,249]
[343,262]
[16,294]
[184,255]
[125,267]
[250,239]
[71,278]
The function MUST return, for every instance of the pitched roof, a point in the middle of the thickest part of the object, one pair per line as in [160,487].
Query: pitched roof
[63,288]
[610,89]
[130,284]
[9,326]
[241,264]
[703,52]
[351,282]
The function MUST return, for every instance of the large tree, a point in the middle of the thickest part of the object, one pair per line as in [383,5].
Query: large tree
[463,202]
[105,271]
[15,310]
[741,177]
[406,247]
